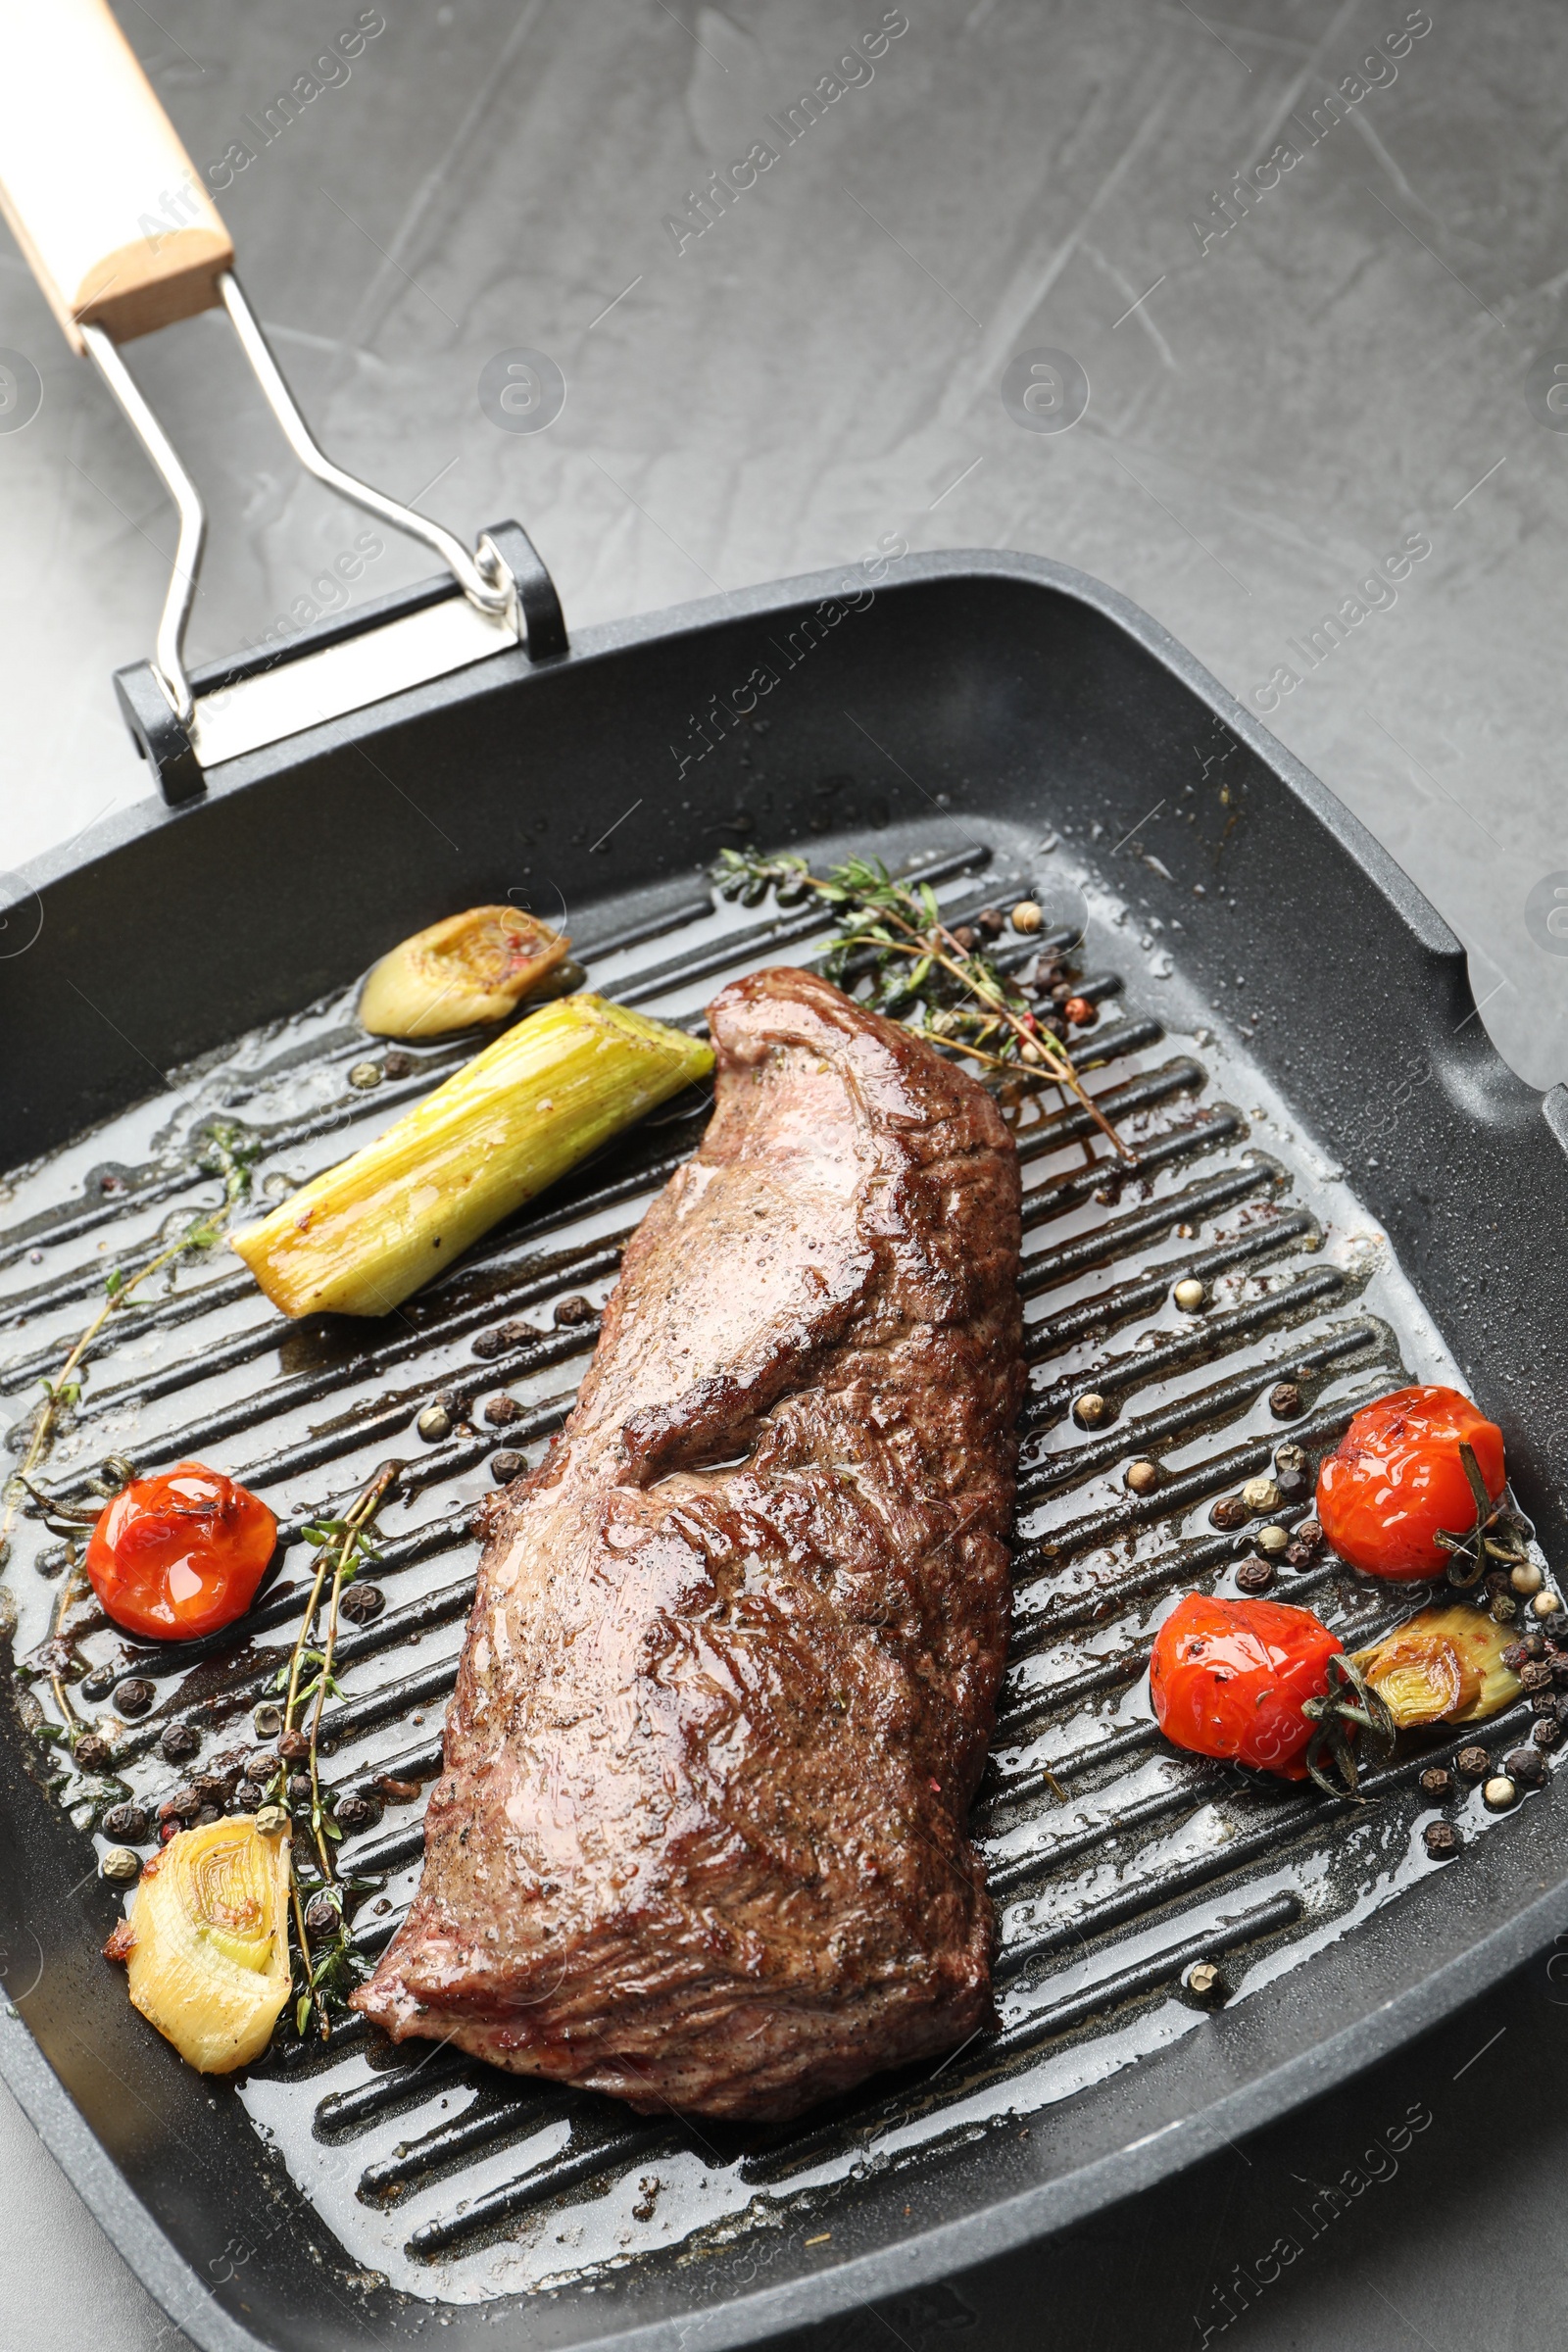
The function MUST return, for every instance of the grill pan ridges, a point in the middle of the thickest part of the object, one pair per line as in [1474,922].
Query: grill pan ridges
[1181,1151]
[1193,1159]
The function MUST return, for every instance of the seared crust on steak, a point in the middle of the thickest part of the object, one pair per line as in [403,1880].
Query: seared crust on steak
[733,1660]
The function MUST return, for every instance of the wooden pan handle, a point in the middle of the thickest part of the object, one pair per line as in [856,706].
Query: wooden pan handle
[99,192]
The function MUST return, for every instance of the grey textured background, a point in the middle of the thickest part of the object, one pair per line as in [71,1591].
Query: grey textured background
[1347,365]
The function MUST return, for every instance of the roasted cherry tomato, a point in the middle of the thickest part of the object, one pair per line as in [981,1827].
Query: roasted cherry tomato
[182,1554]
[1397,1478]
[1228,1679]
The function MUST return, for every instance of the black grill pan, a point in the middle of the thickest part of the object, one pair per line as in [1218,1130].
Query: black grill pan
[1277,1000]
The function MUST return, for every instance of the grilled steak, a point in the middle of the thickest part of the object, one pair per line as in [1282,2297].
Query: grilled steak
[731,1669]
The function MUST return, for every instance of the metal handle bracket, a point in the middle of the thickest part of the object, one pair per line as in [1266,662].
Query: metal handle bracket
[342,665]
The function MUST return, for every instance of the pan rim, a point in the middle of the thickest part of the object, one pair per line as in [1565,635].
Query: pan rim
[945,2250]
[151,813]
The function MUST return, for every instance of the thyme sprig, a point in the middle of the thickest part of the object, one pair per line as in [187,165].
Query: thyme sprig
[340,1544]
[227,1154]
[892,935]
[1499,1534]
[330,1973]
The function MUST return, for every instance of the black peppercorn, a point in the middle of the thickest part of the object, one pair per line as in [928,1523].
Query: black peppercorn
[179,1741]
[1547,1732]
[292,1746]
[398,1064]
[360,1603]
[1526,1765]
[1229,1513]
[1437,1783]
[1255,1576]
[504,1466]
[1534,1674]
[246,1797]
[127,1824]
[181,1804]
[1472,1763]
[989,922]
[1285,1401]
[1544,1702]
[965,939]
[1311,1534]
[356,1813]
[575,1309]
[489,1344]
[91,1752]
[207,1815]
[298,1788]
[322,1914]
[1442,1839]
[502,1409]
[134,1698]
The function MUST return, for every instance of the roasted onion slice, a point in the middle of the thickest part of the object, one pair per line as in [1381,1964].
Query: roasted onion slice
[1444,1665]
[206,1939]
[474,967]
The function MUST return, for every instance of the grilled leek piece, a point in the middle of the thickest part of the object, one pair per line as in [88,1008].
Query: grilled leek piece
[360,1238]
[475,967]
[1442,1666]
[206,1939]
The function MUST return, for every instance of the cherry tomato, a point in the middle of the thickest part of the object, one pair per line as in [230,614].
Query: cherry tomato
[1397,1478]
[1228,1679]
[182,1554]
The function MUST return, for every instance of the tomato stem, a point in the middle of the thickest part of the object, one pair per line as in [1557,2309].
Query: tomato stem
[1474,1544]
[1347,1704]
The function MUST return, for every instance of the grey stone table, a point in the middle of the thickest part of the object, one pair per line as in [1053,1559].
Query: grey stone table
[1290,378]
